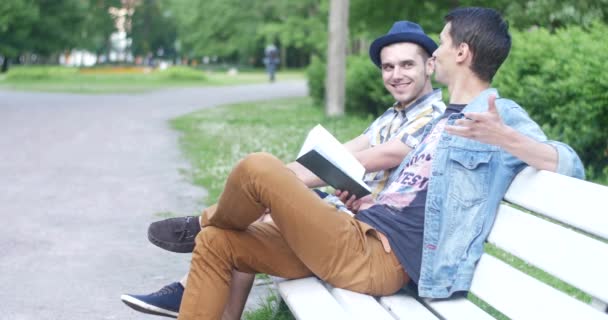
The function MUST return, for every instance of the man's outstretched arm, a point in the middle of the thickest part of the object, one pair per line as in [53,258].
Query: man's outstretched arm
[488,127]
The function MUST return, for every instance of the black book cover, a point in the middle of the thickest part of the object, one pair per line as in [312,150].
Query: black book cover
[332,175]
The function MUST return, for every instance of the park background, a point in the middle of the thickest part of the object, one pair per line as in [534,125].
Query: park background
[556,69]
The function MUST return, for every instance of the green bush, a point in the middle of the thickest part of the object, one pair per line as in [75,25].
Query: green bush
[365,92]
[561,80]
[181,73]
[29,73]
[316,80]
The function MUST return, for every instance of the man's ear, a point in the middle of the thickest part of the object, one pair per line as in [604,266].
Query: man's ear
[464,53]
[430,66]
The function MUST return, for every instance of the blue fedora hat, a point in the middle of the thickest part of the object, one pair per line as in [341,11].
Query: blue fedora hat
[401,31]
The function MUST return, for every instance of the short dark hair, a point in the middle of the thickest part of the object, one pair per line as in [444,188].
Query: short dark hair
[486,34]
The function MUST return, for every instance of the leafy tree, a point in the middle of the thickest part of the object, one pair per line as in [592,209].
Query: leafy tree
[153,30]
[16,18]
[58,27]
[553,14]
[299,24]
[217,27]
[98,25]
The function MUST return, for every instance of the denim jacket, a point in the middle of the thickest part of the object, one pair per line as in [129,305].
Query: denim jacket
[468,181]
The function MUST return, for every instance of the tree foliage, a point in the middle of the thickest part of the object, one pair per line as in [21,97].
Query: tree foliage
[48,27]
[16,19]
[553,14]
[153,29]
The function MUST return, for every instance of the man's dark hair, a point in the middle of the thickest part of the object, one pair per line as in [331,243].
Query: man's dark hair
[486,34]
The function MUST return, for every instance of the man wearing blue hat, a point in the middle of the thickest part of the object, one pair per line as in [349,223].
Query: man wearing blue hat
[403,57]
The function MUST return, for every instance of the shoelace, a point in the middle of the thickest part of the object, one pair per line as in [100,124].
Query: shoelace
[164,291]
[183,232]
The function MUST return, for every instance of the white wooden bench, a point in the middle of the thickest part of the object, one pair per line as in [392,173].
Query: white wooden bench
[573,250]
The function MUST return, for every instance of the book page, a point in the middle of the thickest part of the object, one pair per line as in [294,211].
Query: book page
[324,142]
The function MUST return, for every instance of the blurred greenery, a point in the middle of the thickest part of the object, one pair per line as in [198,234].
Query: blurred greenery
[236,31]
[47,28]
[559,78]
[127,78]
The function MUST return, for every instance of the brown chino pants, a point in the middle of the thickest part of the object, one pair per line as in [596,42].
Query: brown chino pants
[310,237]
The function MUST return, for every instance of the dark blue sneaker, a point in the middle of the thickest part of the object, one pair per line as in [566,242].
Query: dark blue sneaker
[164,302]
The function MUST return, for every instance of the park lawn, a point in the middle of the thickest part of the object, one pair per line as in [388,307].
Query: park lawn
[214,139]
[128,79]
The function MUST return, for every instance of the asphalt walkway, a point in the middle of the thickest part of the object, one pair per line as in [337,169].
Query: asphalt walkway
[81,177]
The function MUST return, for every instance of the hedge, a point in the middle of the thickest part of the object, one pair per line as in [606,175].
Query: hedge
[561,80]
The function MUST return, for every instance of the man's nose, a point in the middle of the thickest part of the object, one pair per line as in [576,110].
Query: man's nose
[397,72]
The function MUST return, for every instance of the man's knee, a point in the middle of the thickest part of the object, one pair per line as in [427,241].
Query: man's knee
[212,239]
[258,162]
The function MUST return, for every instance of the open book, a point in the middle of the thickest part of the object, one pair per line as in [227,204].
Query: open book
[326,157]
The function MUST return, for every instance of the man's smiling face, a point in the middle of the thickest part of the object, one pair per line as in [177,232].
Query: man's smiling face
[405,71]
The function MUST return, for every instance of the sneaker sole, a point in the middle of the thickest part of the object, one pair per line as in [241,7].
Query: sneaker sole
[173,247]
[147,308]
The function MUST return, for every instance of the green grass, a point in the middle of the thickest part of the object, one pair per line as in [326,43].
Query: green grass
[105,80]
[272,309]
[215,139]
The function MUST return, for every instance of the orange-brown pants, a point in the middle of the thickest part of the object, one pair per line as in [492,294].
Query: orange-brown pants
[310,237]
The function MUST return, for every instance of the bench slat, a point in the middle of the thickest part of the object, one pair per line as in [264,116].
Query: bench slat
[520,296]
[575,202]
[360,306]
[307,298]
[403,306]
[458,308]
[566,254]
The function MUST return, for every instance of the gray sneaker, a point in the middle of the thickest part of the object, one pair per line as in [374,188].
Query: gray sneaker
[175,234]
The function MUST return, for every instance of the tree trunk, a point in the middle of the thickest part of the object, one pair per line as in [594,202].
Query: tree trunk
[336,58]
[283,57]
[4,65]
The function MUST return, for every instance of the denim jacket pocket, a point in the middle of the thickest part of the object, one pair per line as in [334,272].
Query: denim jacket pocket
[469,176]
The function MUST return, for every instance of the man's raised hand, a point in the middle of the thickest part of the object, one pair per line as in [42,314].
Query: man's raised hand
[486,127]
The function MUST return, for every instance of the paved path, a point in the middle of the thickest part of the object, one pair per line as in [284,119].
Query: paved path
[81,177]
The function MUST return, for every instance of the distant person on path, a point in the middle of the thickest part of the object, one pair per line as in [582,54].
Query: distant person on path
[271,60]
[402,57]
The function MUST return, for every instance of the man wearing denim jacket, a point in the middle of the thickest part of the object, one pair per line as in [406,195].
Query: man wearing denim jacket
[476,156]
[428,224]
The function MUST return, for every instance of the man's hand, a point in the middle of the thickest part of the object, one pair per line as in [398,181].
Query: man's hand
[352,203]
[486,127]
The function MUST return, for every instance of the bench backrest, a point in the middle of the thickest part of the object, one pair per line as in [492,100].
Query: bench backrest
[564,236]
[570,245]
